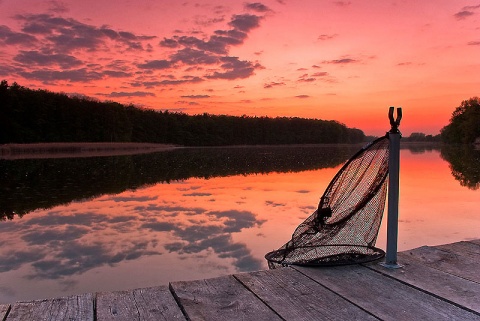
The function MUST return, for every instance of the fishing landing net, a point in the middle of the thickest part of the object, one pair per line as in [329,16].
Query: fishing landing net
[344,228]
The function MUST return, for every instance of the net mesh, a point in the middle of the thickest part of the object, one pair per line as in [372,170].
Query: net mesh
[344,228]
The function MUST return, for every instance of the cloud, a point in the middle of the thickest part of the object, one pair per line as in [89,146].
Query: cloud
[207,21]
[245,22]
[198,194]
[9,37]
[57,7]
[273,84]
[196,96]
[324,37]
[474,43]
[159,226]
[463,14]
[131,94]
[155,64]
[56,43]
[302,96]
[65,35]
[166,82]
[44,237]
[257,6]
[306,78]
[40,59]
[191,56]
[341,61]
[169,43]
[233,68]
[117,74]
[466,12]
[80,75]
[237,220]
[273,204]
[133,199]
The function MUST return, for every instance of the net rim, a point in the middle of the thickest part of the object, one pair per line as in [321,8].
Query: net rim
[376,255]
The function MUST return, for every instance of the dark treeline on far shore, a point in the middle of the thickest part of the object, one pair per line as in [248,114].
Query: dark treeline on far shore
[32,116]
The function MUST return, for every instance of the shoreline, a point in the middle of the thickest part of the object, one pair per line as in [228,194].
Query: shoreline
[85,149]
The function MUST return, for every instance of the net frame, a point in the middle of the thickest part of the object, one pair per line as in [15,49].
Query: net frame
[344,228]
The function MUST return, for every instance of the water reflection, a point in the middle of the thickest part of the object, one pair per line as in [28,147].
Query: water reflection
[30,184]
[464,163]
[116,223]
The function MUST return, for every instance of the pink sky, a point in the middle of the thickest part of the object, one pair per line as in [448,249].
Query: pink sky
[342,60]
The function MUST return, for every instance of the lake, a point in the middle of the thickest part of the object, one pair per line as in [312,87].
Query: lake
[76,225]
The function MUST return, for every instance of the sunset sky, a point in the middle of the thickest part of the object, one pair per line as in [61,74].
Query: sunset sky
[342,60]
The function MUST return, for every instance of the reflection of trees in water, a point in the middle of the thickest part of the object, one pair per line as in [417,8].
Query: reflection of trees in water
[464,164]
[420,148]
[30,184]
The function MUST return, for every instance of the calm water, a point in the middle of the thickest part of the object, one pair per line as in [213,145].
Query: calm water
[113,223]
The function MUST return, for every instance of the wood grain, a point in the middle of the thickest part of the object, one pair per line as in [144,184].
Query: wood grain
[384,297]
[72,308]
[156,303]
[450,287]
[222,298]
[296,297]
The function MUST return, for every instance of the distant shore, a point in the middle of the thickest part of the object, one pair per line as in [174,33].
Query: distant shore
[64,150]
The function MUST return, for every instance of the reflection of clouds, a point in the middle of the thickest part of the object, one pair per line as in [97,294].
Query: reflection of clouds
[190,188]
[134,199]
[274,204]
[7,291]
[237,220]
[78,257]
[43,237]
[55,218]
[198,194]
[62,244]
[216,235]
[307,209]
[14,259]
[159,226]
[170,209]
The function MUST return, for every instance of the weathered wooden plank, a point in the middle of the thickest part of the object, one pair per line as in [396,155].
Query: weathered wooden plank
[296,297]
[455,289]
[461,247]
[385,297]
[155,303]
[222,298]
[4,310]
[464,265]
[75,307]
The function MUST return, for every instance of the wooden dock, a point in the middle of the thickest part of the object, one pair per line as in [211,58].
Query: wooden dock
[436,283]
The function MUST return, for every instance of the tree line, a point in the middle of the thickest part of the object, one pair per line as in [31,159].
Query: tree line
[464,126]
[31,116]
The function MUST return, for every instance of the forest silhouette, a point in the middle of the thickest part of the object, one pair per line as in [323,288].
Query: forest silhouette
[33,116]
